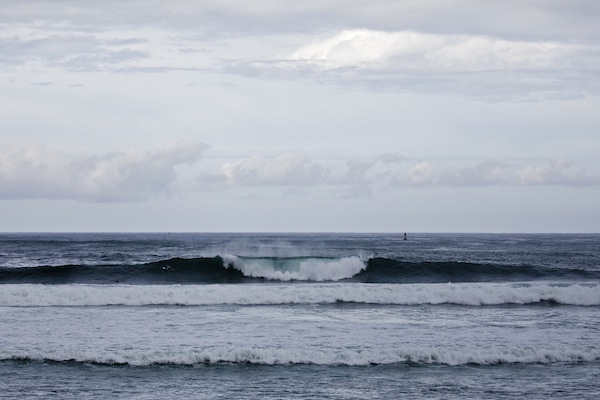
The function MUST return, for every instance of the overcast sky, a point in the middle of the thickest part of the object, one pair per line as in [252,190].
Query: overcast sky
[355,115]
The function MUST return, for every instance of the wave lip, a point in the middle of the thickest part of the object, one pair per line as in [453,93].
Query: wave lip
[316,269]
[466,294]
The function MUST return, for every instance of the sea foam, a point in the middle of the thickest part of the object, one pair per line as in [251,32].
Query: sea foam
[297,268]
[472,294]
[284,356]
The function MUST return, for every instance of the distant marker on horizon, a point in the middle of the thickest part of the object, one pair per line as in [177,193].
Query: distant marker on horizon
[405,237]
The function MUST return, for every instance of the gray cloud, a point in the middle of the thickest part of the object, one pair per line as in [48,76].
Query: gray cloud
[28,172]
[380,45]
[409,61]
[284,170]
[73,52]
[33,172]
[558,172]
[556,19]
[364,178]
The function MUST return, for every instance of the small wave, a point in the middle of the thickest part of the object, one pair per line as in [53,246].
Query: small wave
[334,357]
[475,294]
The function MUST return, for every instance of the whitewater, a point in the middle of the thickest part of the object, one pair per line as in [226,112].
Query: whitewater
[367,316]
[29,295]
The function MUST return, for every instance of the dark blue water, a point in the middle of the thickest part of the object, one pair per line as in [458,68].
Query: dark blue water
[349,316]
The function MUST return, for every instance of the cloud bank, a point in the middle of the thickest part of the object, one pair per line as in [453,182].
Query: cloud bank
[493,65]
[409,61]
[364,178]
[34,172]
[411,50]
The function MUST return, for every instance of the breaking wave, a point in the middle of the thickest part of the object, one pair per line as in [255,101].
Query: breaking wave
[279,356]
[468,294]
[236,269]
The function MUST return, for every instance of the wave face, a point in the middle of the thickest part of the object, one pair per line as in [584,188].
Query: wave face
[394,271]
[238,269]
[468,294]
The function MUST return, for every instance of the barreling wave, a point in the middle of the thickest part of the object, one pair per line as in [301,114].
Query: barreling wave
[226,269]
[467,294]
[335,357]
[235,269]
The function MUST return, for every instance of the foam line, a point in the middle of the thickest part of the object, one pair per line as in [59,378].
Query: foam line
[341,356]
[472,294]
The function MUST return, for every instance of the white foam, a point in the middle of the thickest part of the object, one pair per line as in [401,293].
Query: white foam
[304,269]
[340,356]
[474,294]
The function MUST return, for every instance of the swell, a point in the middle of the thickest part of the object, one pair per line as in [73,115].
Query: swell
[385,270]
[232,269]
[171,271]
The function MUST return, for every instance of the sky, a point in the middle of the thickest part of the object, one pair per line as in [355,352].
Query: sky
[300,116]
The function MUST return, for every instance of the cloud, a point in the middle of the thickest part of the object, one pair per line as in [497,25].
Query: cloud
[555,18]
[34,172]
[473,65]
[555,172]
[487,172]
[484,59]
[73,51]
[285,170]
[359,178]
[558,172]
[410,50]
[420,174]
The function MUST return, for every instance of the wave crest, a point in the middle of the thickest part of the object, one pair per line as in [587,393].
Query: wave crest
[297,268]
[475,294]
[348,357]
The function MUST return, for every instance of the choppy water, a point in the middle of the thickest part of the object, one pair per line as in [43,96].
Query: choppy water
[299,316]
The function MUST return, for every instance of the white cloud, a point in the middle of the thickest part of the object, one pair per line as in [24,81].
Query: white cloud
[472,65]
[285,170]
[557,172]
[359,178]
[487,60]
[408,50]
[30,172]
[35,172]
[420,174]
[487,172]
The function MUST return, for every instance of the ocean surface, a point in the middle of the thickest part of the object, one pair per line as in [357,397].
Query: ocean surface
[300,316]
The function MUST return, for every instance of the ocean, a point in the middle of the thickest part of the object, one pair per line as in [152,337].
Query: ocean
[299,316]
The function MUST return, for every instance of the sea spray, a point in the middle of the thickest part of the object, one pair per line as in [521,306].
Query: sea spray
[297,268]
